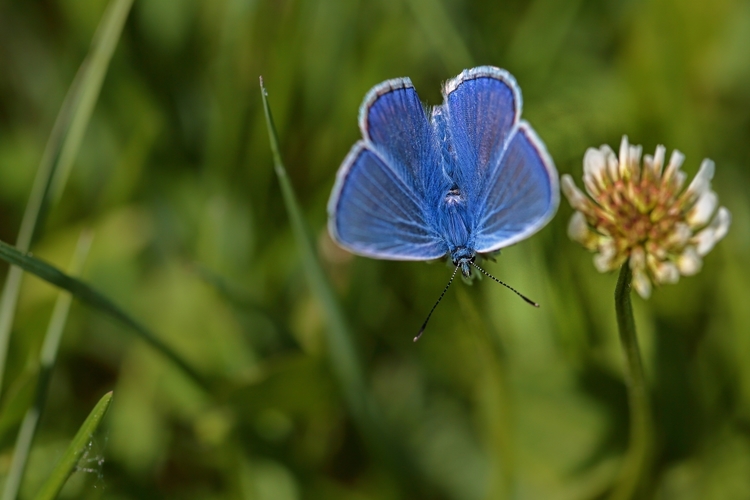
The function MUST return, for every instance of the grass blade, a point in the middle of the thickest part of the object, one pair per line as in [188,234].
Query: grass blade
[344,358]
[47,362]
[94,298]
[62,148]
[75,451]
[91,73]
[341,349]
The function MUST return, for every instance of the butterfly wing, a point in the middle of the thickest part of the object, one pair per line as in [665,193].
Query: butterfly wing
[379,205]
[522,193]
[511,181]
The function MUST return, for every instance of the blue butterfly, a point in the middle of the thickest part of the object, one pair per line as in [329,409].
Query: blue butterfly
[464,178]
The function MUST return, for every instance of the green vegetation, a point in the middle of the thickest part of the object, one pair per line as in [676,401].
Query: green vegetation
[249,357]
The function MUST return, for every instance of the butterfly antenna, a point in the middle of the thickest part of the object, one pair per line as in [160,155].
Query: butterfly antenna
[424,325]
[524,297]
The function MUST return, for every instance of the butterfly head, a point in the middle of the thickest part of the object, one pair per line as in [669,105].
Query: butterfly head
[463,257]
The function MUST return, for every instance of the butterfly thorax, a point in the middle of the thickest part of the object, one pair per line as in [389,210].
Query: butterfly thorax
[457,230]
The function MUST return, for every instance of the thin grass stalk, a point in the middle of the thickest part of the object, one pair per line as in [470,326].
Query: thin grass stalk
[342,352]
[638,456]
[60,152]
[48,357]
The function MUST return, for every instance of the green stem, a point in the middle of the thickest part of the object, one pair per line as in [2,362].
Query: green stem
[639,451]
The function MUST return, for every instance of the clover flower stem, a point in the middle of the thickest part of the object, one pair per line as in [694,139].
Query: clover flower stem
[638,456]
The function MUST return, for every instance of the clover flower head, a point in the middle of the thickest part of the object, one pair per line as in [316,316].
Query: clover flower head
[641,212]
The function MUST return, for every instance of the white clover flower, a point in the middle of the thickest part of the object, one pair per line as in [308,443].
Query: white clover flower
[642,213]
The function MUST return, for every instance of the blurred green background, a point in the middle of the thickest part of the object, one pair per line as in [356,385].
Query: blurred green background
[191,236]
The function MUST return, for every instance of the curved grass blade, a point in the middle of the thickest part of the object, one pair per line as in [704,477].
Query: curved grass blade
[66,466]
[47,361]
[60,151]
[342,352]
[94,298]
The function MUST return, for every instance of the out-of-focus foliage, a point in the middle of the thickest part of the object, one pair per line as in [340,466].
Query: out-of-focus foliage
[498,400]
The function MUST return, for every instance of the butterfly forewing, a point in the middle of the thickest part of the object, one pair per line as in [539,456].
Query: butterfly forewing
[394,124]
[379,206]
[482,107]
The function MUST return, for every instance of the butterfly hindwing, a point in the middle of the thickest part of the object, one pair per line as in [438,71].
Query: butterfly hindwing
[521,193]
[372,212]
